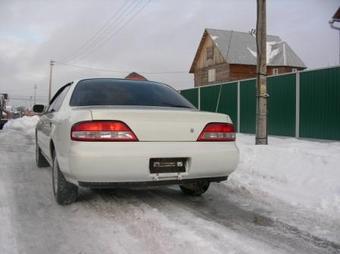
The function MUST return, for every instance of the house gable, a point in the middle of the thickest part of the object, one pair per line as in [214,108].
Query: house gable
[206,48]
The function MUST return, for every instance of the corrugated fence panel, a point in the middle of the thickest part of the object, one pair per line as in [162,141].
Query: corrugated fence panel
[228,101]
[209,97]
[191,95]
[320,104]
[247,106]
[281,105]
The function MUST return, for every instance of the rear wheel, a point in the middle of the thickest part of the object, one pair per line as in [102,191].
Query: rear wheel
[64,192]
[39,157]
[196,188]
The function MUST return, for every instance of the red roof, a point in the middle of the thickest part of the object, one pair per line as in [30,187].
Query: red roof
[135,76]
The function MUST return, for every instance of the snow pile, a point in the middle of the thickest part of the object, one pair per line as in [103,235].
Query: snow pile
[272,49]
[24,124]
[302,173]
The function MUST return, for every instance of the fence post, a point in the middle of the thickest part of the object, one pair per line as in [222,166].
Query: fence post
[199,98]
[218,99]
[297,105]
[238,106]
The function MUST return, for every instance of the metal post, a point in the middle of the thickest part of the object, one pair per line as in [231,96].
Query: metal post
[50,82]
[335,19]
[261,80]
[199,98]
[238,106]
[297,105]
[35,95]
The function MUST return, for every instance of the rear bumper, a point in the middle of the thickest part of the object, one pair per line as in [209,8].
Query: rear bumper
[127,163]
[98,185]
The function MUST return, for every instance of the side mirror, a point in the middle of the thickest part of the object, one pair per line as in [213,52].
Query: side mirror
[38,108]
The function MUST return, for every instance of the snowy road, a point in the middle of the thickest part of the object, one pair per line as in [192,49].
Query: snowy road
[158,220]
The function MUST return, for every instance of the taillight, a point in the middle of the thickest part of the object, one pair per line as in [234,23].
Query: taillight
[218,132]
[102,131]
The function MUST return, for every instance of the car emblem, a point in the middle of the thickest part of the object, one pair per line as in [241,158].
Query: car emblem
[192,130]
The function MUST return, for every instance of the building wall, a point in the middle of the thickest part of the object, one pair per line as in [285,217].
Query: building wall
[228,72]
[221,74]
[202,61]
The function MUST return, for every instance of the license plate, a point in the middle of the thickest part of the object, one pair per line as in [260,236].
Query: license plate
[167,165]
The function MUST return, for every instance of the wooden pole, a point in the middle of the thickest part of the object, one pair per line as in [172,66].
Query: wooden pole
[261,80]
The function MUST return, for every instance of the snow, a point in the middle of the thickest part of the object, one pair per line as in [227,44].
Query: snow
[214,37]
[302,173]
[254,53]
[271,52]
[25,124]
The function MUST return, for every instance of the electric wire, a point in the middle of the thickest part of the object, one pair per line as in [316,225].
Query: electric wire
[106,35]
[102,30]
[119,71]
[114,32]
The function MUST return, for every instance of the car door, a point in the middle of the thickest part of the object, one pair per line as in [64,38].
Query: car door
[48,120]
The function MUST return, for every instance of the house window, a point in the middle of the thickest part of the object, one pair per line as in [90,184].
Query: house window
[294,70]
[275,71]
[211,75]
[210,53]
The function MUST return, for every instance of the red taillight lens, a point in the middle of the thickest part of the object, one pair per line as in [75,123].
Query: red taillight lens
[218,132]
[102,131]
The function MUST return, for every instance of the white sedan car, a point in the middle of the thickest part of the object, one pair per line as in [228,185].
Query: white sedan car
[106,133]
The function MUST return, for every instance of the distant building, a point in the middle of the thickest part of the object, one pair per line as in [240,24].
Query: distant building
[230,55]
[135,76]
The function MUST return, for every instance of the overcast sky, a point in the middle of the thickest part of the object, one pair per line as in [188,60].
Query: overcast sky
[141,35]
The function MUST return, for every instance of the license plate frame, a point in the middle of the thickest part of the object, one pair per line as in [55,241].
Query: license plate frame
[168,165]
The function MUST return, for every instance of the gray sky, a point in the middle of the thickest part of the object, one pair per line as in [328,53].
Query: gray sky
[162,37]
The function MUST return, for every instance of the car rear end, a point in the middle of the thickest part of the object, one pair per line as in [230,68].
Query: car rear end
[144,139]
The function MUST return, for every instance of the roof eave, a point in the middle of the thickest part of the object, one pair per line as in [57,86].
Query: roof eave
[192,68]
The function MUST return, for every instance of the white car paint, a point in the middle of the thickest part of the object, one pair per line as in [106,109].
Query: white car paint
[163,132]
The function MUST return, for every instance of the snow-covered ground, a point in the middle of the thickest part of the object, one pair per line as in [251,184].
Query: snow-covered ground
[303,173]
[265,207]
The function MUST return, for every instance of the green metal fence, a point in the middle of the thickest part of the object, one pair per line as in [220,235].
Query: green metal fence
[247,106]
[191,95]
[304,104]
[320,104]
[282,105]
[227,101]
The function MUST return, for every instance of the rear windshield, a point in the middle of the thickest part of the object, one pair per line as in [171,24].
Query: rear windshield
[125,92]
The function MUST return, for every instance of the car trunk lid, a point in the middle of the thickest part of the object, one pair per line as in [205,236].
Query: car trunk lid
[161,125]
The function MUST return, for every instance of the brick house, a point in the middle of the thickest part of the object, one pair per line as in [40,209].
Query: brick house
[230,55]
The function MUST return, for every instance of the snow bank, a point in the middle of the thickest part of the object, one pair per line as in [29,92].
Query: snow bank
[24,124]
[302,173]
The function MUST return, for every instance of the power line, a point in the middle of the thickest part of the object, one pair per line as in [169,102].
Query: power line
[120,71]
[107,25]
[114,32]
[104,35]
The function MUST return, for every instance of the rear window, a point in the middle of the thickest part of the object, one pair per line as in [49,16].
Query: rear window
[92,92]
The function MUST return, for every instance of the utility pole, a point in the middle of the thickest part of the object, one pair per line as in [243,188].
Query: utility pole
[50,82]
[336,18]
[35,94]
[261,79]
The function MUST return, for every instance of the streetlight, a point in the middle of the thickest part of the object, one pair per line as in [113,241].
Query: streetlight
[336,18]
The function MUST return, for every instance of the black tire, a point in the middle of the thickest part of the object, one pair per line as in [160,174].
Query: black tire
[40,160]
[64,192]
[196,188]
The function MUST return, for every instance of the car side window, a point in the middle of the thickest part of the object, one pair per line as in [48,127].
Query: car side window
[56,103]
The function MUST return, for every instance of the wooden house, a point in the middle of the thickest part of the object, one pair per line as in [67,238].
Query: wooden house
[224,56]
